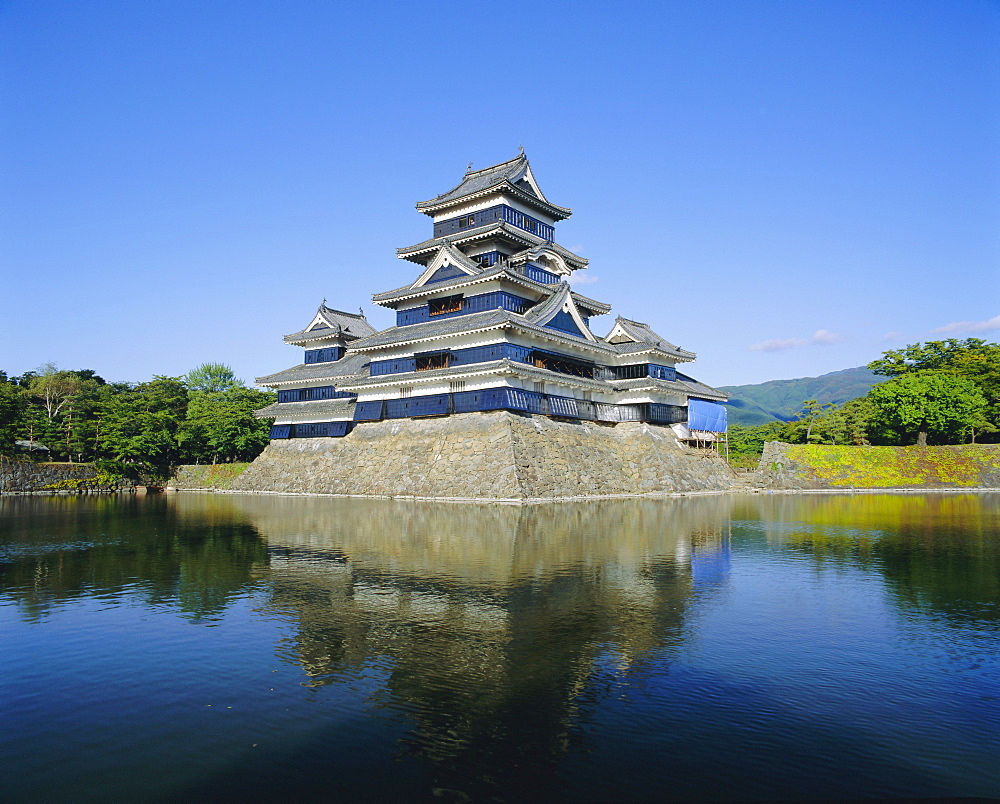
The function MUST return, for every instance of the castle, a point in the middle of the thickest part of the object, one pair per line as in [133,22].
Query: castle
[490,323]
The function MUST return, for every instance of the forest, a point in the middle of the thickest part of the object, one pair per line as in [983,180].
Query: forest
[206,416]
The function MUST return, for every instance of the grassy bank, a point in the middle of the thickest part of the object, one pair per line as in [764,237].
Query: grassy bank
[969,465]
[207,476]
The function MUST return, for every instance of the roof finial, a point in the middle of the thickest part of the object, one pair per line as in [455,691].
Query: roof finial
[324,301]
[522,149]
[361,312]
[468,168]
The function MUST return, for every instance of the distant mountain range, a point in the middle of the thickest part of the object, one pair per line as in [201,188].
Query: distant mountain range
[782,400]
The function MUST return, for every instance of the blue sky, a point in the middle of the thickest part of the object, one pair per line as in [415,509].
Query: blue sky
[786,188]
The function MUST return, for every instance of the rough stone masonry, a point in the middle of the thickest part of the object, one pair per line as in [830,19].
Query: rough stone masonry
[499,456]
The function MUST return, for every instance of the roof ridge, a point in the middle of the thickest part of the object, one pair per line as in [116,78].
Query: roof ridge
[360,314]
[521,155]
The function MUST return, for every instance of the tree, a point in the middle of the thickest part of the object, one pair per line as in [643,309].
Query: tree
[212,378]
[221,426]
[972,358]
[54,389]
[922,407]
[13,406]
[141,424]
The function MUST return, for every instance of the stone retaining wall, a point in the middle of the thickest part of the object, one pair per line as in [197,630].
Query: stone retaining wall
[28,477]
[488,456]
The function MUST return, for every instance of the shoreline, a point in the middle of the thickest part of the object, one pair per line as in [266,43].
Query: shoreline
[533,500]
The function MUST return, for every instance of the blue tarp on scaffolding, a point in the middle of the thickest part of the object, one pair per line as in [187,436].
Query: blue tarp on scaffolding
[705,415]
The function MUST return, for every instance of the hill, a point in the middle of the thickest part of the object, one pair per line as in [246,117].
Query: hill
[764,402]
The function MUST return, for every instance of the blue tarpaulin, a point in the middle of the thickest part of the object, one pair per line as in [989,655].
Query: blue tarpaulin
[705,415]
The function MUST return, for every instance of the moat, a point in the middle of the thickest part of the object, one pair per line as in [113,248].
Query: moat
[197,646]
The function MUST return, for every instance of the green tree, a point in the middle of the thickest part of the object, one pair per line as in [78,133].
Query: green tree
[845,424]
[212,378]
[13,407]
[141,424]
[973,358]
[222,427]
[749,441]
[926,407]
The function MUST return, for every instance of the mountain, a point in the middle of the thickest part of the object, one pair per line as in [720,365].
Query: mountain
[750,405]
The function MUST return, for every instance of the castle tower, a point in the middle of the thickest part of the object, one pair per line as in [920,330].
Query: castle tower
[489,323]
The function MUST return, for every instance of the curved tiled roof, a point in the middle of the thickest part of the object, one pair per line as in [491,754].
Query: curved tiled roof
[339,324]
[687,386]
[490,230]
[323,407]
[348,366]
[514,173]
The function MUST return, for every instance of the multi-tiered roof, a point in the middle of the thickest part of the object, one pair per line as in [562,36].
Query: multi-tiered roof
[490,322]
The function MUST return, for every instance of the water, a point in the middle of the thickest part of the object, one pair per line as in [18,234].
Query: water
[213,646]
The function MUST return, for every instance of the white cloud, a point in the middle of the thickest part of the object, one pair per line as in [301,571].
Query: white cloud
[892,336]
[971,326]
[576,278]
[776,345]
[825,337]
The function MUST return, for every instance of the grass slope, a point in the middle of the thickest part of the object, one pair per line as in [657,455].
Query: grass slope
[782,399]
[899,467]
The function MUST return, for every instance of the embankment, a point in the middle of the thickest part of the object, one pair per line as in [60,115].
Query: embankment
[808,466]
[206,476]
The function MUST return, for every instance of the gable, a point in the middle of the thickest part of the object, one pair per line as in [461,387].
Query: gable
[448,263]
[564,322]
[444,273]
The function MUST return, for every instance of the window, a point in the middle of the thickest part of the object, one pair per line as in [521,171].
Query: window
[539,387]
[432,360]
[564,365]
[405,392]
[456,386]
[448,304]
[466,221]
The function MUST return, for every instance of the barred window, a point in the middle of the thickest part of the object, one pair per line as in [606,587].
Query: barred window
[432,360]
[405,392]
[448,304]
[456,386]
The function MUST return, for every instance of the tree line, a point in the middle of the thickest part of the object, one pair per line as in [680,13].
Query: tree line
[206,416]
[939,392]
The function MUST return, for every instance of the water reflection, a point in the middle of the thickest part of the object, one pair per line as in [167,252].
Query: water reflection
[503,645]
[491,619]
[57,550]
[937,552]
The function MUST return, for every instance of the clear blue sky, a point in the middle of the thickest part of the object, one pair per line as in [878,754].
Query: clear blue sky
[786,188]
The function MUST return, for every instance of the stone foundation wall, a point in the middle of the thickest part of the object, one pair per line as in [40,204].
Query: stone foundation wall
[487,456]
[28,477]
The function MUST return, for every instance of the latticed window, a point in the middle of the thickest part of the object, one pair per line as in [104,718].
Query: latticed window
[456,386]
[432,360]
[405,392]
[552,362]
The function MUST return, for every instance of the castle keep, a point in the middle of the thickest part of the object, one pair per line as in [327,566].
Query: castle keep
[489,325]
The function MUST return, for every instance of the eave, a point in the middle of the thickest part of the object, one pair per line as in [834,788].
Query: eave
[413,253]
[504,187]
[391,298]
